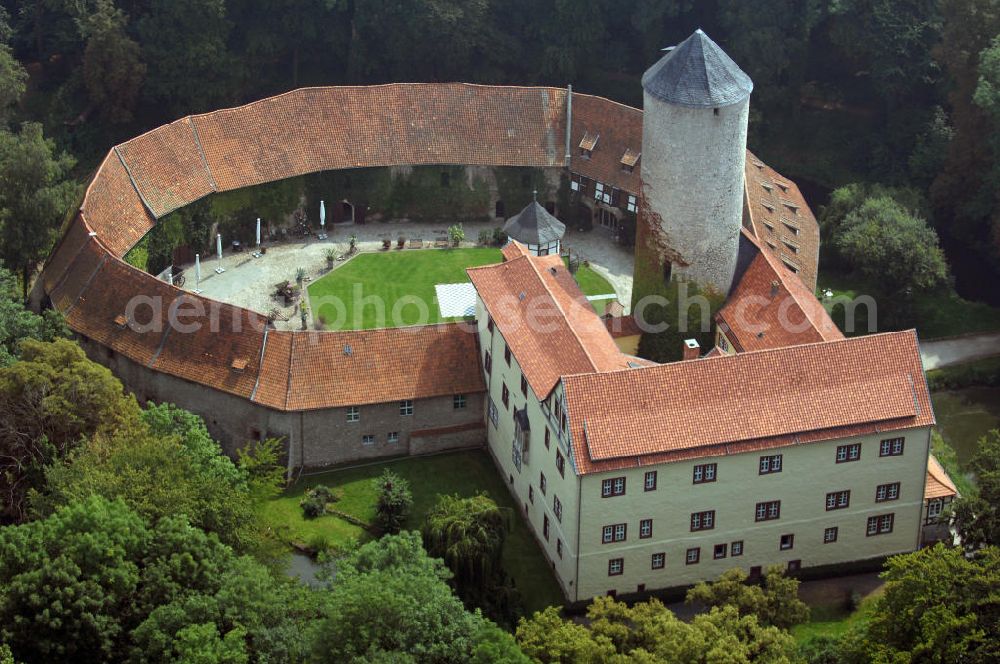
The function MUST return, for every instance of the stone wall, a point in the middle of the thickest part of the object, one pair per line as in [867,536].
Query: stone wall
[313,438]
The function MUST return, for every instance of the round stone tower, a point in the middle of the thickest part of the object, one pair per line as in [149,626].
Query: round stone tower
[696,102]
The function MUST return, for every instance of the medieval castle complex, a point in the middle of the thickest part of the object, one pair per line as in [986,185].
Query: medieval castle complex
[784,443]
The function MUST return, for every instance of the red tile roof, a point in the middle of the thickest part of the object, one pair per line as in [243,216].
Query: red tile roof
[619,129]
[938,484]
[767,193]
[747,401]
[113,208]
[550,327]
[310,370]
[316,129]
[168,166]
[770,307]
[319,129]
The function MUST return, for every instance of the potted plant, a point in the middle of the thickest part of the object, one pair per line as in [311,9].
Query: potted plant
[386,243]
[354,242]
[401,242]
[304,313]
[456,234]
[331,256]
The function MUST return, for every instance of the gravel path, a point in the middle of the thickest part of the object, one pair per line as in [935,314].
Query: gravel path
[954,350]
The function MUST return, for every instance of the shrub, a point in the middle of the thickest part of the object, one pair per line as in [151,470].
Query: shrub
[394,502]
[486,237]
[326,493]
[313,506]
[499,237]
[401,242]
[456,234]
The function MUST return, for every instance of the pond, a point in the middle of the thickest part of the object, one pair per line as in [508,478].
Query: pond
[303,568]
[964,416]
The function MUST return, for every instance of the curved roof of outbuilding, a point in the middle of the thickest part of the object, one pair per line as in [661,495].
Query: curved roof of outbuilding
[697,73]
[299,132]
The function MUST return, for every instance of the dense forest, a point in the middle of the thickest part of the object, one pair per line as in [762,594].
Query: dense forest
[903,93]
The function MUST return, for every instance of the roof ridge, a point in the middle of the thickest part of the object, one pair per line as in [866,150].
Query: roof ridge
[397,84]
[565,316]
[781,349]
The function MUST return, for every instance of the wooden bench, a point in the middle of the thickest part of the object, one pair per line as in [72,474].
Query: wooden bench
[416,243]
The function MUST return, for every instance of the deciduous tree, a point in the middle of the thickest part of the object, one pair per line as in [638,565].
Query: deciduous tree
[390,602]
[776,602]
[35,194]
[51,400]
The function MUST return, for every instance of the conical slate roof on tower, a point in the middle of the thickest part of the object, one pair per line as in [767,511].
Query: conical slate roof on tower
[534,225]
[697,73]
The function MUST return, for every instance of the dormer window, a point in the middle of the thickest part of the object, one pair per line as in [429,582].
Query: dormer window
[791,206]
[768,187]
[629,160]
[587,144]
[783,186]
[121,321]
[239,365]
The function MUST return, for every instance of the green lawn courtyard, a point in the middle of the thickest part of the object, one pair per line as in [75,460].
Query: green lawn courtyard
[364,292]
[463,473]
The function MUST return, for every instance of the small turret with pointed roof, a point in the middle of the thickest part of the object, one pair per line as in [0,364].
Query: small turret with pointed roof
[536,228]
[697,73]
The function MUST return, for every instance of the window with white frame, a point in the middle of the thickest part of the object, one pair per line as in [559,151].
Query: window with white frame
[406,407]
[614,486]
[880,525]
[884,492]
[850,452]
[493,413]
[645,528]
[614,533]
[830,535]
[736,548]
[557,507]
[768,511]
[649,481]
[838,500]
[891,447]
[393,437]
[703,520]
[786,542]
[692,556]
[719,551]
[659,560]
[368,439]
[632,205]
[458,401]
[770,464]
[353,414]
[616,566]
[704,472]
[934,508]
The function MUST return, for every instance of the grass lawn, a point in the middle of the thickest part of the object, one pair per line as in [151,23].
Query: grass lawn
[462,473]
[591,283]
[939,314]
[388,276]
[832,620]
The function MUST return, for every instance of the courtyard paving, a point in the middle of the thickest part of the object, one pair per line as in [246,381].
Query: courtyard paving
[249,282]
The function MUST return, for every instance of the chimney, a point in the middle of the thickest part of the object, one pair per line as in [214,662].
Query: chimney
[692,351]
